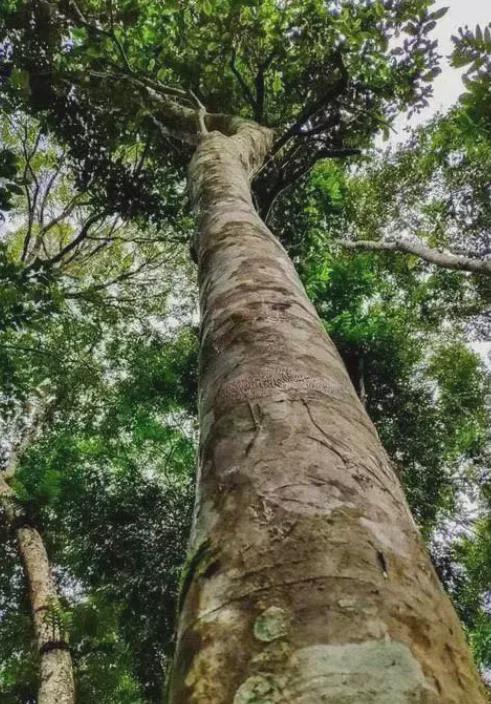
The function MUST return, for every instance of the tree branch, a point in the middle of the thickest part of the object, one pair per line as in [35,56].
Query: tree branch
[259,83]
[245,88]
[47,190]
[35,415]
[82,234]
[296,165]
[111,34]
[32,202]
[446,260]
[334,91]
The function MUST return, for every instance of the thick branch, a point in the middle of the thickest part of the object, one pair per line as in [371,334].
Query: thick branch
[446,260]
[173,116]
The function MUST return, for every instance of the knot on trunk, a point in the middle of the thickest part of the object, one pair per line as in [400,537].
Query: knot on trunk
[53,645]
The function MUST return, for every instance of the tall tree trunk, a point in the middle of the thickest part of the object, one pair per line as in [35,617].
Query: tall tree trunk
[56,684]
[307,580]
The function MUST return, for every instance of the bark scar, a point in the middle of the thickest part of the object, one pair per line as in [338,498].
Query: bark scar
[258,424]
[53,645]
[383,563]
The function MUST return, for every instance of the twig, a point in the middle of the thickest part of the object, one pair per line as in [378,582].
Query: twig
[201,110]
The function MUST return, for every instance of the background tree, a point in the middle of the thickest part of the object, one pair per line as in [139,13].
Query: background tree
[74,321]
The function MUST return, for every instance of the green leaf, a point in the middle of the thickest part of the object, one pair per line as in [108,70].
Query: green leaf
[438,14]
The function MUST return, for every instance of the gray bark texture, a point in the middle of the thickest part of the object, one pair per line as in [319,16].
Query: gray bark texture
[307,581]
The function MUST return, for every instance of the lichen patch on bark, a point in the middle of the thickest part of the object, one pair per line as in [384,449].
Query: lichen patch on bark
[396,540]
[271,624]
[375,672]
[261,689]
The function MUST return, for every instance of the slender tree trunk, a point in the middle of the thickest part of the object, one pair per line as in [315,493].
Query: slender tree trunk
[307,580]
[56,684]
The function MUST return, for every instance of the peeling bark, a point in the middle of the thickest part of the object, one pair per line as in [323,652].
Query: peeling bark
[56,684]
[307,579]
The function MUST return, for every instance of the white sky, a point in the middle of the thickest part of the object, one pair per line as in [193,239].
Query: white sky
[448,85]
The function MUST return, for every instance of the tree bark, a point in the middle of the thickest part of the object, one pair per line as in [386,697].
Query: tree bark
[446,260]
[307,580]
[56,683]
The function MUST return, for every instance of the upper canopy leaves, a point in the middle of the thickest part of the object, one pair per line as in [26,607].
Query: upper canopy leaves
[324,75]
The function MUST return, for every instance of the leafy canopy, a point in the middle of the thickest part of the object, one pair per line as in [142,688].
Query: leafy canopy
[325,76]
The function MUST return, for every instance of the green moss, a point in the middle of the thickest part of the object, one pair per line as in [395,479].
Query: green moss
[260,689]
[271,624]
[198,563]
[273,655]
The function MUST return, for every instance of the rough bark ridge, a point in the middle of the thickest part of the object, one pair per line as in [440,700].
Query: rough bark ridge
[56,684]
[307,580]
